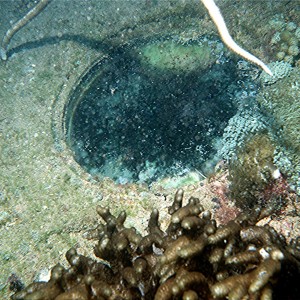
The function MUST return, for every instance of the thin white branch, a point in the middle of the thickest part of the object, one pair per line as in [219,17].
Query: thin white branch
[20,24]
[218,19]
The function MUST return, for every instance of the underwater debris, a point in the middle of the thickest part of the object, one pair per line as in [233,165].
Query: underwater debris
[191,259]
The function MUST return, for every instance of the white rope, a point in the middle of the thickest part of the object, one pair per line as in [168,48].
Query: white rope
[218,19]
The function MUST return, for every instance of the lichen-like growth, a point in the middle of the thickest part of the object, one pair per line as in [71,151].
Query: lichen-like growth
[252,171]
[192,259]
[281,103]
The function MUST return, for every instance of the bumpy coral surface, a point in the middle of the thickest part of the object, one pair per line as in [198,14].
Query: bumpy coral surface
[252,170]
[285,40]
[192,259]
[281,103]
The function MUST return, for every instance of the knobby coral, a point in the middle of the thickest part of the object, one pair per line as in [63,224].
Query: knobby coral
[192,259]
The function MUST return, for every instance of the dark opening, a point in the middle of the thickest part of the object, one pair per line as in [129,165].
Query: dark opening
[127,122]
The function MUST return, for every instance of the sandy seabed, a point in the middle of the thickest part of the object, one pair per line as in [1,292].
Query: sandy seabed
[46,200]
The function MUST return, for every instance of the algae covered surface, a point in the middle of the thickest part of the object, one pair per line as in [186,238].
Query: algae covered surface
[47,200]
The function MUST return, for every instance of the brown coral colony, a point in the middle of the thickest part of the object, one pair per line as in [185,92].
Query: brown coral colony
[192,259]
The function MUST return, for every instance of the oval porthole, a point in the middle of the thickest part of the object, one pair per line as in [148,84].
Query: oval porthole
[151,111]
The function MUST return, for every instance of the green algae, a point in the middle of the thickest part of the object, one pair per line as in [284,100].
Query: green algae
[171,56]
